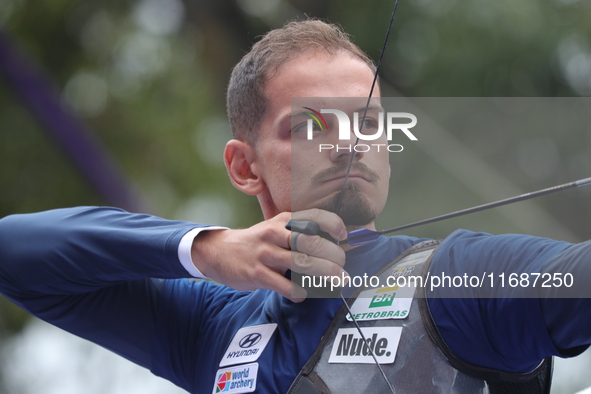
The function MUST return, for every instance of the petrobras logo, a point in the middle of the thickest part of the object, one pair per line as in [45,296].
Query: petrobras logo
[248,344]
[370,129]
[240,379]
[383,297]
[349,347]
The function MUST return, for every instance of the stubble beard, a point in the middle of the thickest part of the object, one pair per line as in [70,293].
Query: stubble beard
[355,209]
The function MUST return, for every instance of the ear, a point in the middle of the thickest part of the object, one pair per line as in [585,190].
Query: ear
[243,168]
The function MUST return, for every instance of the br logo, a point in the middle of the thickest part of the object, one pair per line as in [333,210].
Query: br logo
[383,297]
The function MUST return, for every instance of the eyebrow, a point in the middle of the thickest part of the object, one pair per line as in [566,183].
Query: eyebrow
[361,110]
[370,108]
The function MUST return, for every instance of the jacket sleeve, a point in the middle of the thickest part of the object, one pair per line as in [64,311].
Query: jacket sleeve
[512,326]
[96,272]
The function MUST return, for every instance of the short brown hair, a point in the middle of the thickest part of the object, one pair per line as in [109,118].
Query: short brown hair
[246,101]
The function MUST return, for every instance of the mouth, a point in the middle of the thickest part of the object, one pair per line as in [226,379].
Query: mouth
[353,175]
[359,171]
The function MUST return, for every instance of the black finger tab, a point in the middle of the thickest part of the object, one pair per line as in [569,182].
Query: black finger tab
[307,227]
[303,226]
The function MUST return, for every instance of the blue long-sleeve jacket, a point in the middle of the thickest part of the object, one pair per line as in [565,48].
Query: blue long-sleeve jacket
[115,278]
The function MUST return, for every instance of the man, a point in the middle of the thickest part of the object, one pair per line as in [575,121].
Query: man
[91,270]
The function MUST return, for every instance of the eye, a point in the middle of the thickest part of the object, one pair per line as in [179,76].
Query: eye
[301,130]
[368,125]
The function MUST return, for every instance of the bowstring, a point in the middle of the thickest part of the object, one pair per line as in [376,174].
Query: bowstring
[340,200]
[373,85]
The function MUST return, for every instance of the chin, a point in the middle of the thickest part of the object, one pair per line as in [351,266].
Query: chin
[355,209]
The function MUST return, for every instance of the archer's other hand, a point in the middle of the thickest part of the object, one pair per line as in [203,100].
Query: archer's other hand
[258,257]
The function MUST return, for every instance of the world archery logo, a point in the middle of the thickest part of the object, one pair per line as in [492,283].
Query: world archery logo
[223,383]
[240,379]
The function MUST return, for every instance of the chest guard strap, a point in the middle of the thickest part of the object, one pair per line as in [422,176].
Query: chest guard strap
[422,363]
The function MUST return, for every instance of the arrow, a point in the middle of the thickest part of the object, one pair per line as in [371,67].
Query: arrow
[363,235]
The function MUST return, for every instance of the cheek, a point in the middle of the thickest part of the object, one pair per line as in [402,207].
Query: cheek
[383,168]
[303,164]
[381,162]
[279,175]
[276,159]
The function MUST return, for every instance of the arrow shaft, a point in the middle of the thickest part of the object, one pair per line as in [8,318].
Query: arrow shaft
[483,207]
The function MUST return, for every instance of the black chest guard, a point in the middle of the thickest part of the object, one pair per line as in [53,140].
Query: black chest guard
[422,363]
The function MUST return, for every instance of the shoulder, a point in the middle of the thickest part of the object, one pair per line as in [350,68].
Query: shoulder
[397,244]
[506,250]
[483,319]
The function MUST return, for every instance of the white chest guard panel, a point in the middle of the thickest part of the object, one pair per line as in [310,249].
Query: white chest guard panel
[406,343]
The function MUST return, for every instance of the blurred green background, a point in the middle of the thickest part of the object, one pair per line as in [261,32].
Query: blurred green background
[148,78]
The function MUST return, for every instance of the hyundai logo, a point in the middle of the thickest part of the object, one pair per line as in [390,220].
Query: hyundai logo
[250,340]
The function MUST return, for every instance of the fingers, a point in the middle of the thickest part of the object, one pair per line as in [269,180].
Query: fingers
[317,256]
[313,255]
[329,262]
[303,253]
[258,257]
[271,280]
[290,290]
[328,222]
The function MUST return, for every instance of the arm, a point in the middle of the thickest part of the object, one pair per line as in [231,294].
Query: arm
[87,270]
[512,328]
[90,270]
[567,310]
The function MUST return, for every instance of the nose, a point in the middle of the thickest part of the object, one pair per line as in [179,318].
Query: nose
[344,151]
[345,148]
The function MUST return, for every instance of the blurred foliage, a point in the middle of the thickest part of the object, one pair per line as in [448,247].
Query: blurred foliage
[149,76]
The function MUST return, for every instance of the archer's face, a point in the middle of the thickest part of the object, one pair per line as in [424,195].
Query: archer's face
[297,175]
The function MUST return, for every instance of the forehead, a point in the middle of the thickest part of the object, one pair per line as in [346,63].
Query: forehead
[314,74]
[319,74]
